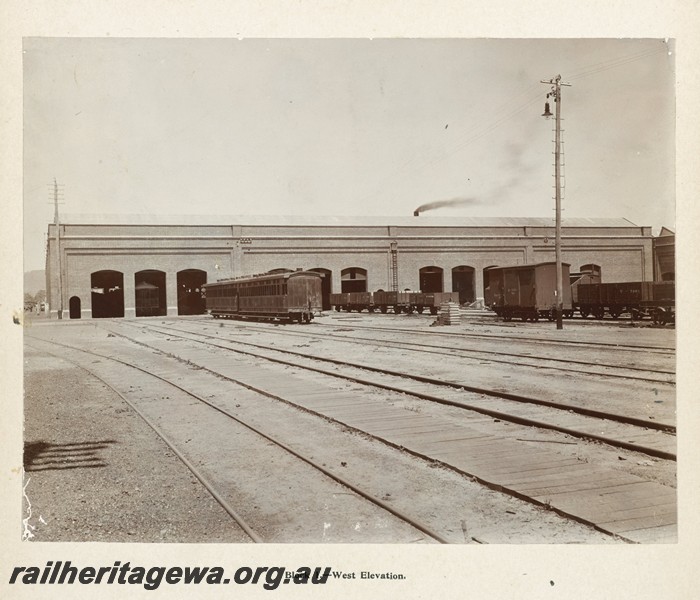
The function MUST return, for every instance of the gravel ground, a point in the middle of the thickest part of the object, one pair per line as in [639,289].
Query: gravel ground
[95,471]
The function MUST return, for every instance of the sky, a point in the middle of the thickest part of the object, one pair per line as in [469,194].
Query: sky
[345,127]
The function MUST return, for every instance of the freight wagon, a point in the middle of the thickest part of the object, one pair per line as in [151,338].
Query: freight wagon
[431,300]
[662,308]
[638,298]
[398,302]
[352,301]
[288,296]
[528,292]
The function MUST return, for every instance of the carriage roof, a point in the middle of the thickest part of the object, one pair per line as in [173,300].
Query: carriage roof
[526,266]
[265,277]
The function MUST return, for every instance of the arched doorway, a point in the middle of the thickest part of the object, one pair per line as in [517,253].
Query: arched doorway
[150,293]
[107,288]
[353,279]
[430,279]
[463,282]
[488,289]
[74,307]
[326,287]
[190,299]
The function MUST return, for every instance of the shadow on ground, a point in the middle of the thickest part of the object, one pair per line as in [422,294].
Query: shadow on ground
[45,456]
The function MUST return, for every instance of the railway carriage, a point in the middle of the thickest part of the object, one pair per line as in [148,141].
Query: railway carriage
[287,296]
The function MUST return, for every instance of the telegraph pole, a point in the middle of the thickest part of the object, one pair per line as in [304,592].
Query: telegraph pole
[57,224]
[555,93]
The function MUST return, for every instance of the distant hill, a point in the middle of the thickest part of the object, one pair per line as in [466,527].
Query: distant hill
[34,281]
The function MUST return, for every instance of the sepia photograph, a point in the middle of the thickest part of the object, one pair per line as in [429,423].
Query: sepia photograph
[293,288]
[298,311]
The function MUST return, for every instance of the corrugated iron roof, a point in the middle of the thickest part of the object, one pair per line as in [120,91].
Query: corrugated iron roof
[338,221]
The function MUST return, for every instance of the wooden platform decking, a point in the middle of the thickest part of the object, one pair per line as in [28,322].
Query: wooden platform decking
[612,501]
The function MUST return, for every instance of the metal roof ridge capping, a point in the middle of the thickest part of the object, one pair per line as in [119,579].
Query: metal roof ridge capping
[338,220]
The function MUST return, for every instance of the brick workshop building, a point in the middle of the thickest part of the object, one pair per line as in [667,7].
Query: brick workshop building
[139,266]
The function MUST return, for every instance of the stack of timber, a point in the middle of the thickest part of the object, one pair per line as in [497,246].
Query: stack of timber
[449,314]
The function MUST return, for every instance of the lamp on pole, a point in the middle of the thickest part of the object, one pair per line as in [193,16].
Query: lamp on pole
[555,93]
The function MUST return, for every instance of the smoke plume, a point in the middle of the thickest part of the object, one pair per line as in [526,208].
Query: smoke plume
[444,203]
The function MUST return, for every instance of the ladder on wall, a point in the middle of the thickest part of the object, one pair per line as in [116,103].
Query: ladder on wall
[394,267]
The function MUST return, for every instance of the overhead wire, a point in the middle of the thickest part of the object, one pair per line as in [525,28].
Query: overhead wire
[596,68]
[510,109]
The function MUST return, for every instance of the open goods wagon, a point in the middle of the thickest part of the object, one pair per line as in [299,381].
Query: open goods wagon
[350,301]
[398,302]
[527,292]
[431,300]
[289,296]
[638,298]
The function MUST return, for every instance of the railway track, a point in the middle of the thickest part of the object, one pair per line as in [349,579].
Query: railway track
[541,340]
[573,488]
[614,502]
[527,359]
[211,482]
[649,437]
